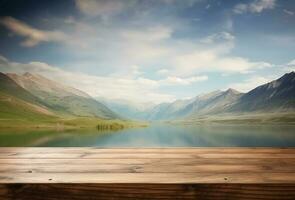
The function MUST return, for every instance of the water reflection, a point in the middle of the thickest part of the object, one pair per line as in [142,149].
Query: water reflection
[159,135]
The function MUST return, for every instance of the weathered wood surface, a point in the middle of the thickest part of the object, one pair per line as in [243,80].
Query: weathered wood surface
[176,173]
[173,166]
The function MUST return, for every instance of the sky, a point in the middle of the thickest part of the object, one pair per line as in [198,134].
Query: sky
[149,50]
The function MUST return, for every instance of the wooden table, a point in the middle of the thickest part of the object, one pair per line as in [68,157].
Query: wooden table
[172,173]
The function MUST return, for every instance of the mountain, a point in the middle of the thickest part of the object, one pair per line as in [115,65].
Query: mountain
[15,108]
[214,102]
[17,103]
[278,95]
[157,112]
[40,96]
[128,109]
[275,96]
[144,111]
[61,99]
[41,86]
[10,87]
[168,110]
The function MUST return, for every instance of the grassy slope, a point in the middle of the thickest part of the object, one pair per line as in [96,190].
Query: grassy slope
[20,109]
[16,113]
[9,87]
[78,106]
[56,97]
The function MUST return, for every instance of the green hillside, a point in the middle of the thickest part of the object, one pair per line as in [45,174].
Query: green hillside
[56,107]
[77,106]
[62,99]
[10,87]
[15,111]
[19,107]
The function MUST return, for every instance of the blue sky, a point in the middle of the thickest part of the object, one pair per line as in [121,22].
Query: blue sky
[149,50]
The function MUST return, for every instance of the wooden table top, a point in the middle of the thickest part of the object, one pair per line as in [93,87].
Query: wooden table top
[153,165]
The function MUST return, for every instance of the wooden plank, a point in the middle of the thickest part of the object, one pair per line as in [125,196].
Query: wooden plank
[171,178]
[178,153]
[147,191]
[197,165]
[159,161]
[135,155]
[176,173]
[147,165]
[145,168]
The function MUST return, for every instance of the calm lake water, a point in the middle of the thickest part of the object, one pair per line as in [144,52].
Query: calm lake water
[158,135]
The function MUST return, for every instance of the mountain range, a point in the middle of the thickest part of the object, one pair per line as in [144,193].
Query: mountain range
[275,96]
[32,95]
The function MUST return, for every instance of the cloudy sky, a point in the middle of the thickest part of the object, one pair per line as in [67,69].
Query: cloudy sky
[149,50]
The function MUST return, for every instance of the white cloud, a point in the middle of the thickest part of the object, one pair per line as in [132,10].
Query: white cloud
[137,89]
[256,6]
[289,67]
[218,37]
[32,36]
[289,12]
[211,60]
[212,54]
[173,80]
[240,8]
[144,44]
[260,5]
[127,51]
[250,83]
[109,8]
[117,48]
[154,46]
[134,87]
[99,45]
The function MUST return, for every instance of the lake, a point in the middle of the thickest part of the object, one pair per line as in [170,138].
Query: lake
[158,135]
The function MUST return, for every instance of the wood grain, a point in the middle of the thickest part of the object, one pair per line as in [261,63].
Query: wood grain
[174,173]
[173,165]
